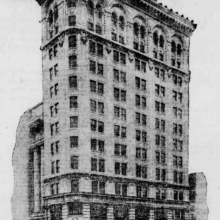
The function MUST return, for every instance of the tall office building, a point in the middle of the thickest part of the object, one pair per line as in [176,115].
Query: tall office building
[111,138]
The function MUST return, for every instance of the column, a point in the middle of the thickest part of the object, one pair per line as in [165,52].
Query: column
[110,215]
[86,211]
[36,181]
[132,214]
[151,215]
[64,212]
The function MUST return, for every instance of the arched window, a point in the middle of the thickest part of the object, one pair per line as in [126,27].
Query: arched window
[179,49]
[142,32]
[114,19]
[173,47]
[99,11]
[121,22]
[90,8]
[161,41]
[136,29]
[55,12]
[155,38]
[50,17]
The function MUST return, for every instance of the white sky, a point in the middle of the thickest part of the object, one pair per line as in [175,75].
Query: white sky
[21,87]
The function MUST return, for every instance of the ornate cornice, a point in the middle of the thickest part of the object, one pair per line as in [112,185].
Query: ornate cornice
[164,15]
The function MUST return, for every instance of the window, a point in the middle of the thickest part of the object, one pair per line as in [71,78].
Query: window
[160,195]
[97,87]
[72,41]
[73,102]
[119,131]
[120,150]
[56,89]
[71,3]
[141,171]
[98,165]
[74,142]
[161,174]
[160,140]
[160,157]
[177,145]
[114,19]
[141,153]
[72,20]
[121,189]
[177,177]
[160,124]
[97,145]
[75,208]
[98,187]
[120,95]
[141,136]
[55,50]
[74,162]
[121,40]
[54,189]
[117,114]
[177,129]
[123,58]
[90,8]
[74,122]
[159,90]
[115,56]
[120,168]
[159,107]
[94,104]
[72,61]
[99,49]
[141,191]
[97,126]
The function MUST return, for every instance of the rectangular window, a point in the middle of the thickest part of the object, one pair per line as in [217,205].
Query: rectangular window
[93,125]
[99,49]
[74,162]
[71,3]
[75,186]
[74,122]
[143,66]
[101,127]
[117,130]
[123,77]
[101,165]
[73,82]
[94,165]
[117,168]
[51,54]
[101,108]
[56,89]
[143,85]
[116,75]
[73,102]
[123,58]
[137,100]
[100,69]
[90,26]
[72,61]
[72,20]
[92,47]
[137,82]
[123,114]
[74,142]
[92,66]
[123,132]
[115,56]
[121,39]
[55,50]
[137,64]
[93,86]
[72,41]
[100,88]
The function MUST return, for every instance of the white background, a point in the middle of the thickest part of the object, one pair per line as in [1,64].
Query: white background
[21,87]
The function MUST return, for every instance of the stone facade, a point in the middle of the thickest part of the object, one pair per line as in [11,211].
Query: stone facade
[110,140]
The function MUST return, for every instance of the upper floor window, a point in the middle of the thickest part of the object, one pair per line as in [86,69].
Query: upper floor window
[72,20]
[121,22]
[71,3]
[159,44]
[176,52]
[72,41]
[99,12]
[114,19]
[139,33]
[90,8]
[72,61]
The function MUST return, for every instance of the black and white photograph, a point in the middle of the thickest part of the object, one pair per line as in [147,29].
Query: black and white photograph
[110,110]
